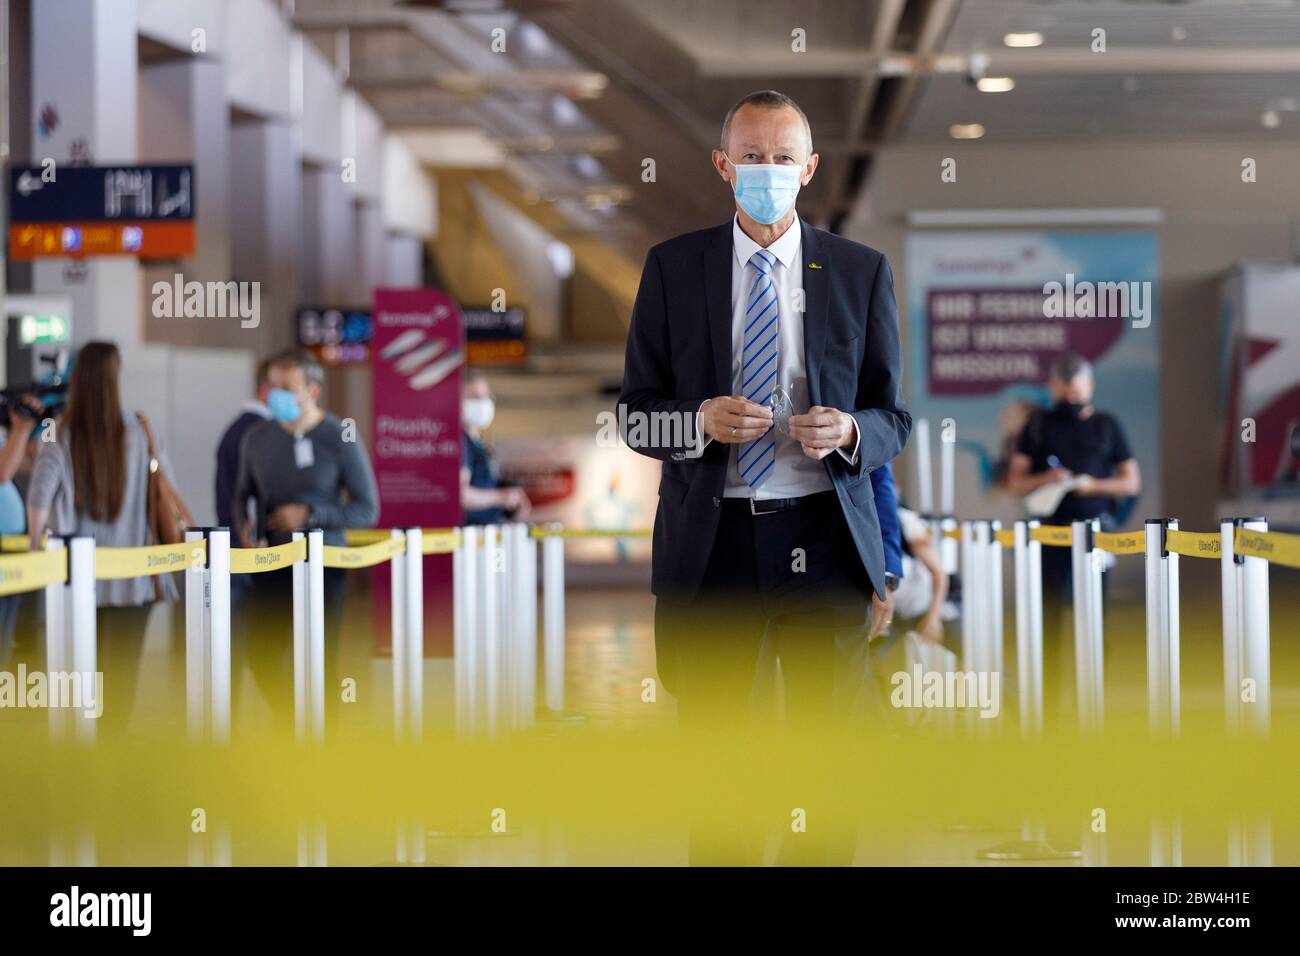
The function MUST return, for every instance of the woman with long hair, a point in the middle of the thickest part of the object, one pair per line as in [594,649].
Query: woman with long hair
[91,477]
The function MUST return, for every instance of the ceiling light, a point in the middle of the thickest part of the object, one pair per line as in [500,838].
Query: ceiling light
[995,84]
[1270,119]
[1023,39]
[1178,33]
[966,130]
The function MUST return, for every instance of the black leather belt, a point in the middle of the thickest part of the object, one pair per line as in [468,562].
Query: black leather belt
[769,506]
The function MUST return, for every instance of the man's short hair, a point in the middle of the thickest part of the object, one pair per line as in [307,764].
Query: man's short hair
[769,100]
[263,372]
[298,358]
[1069,367]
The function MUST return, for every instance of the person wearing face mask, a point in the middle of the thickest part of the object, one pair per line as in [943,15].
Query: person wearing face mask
[766,355]
[484,499]
[1082,454]
[304,470]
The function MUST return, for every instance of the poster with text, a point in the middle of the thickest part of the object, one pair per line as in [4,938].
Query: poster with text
[987,315]
[417,358]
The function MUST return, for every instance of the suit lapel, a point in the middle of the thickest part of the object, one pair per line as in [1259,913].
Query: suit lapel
[717,290]
[816,270]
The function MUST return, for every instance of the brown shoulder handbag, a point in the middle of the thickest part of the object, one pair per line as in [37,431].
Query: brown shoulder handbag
[168,516]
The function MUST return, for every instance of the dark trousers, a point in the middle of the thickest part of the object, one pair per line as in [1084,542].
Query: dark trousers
[796,578]
[263,635]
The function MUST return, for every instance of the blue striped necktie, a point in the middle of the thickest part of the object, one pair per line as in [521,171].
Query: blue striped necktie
[760,364]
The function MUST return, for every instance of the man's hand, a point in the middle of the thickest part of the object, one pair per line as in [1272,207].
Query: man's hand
[821,430]
[733,419]
[516,502]
[882,614]
[1087,485]
[288,518]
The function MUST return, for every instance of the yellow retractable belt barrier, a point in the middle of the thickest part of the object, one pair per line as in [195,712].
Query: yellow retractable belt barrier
[1057,536]
[590,533]
[440,540]
[359,537]
[1193,544]
[15,542]
[1121,542]
[255,560]
[32,570]
[112,563]
[954,533]
[1006,537]
[1273,546]
[366,556]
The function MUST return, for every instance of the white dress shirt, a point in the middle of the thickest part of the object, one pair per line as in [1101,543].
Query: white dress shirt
[793,473]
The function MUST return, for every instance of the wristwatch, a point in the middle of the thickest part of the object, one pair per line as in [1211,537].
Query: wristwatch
[891,582]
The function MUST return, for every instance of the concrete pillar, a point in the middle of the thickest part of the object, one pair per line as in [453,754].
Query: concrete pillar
[84,55]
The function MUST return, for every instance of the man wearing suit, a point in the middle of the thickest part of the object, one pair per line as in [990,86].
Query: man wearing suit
[765,521]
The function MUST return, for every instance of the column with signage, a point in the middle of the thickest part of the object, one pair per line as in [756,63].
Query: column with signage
[418,354]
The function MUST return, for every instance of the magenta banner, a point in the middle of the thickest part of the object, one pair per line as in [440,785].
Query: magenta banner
[417,358]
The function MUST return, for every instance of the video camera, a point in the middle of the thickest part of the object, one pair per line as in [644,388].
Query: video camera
[52,394]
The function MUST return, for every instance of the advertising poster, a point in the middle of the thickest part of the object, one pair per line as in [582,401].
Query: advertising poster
[988,313]
[417,358]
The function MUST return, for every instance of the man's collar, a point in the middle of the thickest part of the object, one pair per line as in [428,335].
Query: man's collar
[256,408]
[786,248]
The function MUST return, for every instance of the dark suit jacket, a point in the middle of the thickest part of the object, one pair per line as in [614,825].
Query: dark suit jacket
[679,354]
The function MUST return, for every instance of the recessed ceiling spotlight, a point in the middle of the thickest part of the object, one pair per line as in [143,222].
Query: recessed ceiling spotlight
[995,84]
[1023,39]
[1270,120]
[966,130]
[1178,33]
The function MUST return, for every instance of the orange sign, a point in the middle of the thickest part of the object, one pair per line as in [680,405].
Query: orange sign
[74,240]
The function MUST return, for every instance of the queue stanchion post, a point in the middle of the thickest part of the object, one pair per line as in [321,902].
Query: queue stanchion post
[514,578]
[553,616]
[970,604]
[397,626]
[1229,588]
[1255,638]
[414,631]
[197,653]
[1028,566]
[468,692]
[1163,639]
[218,573]
[1082,607]
[300,680]
[924,466]
[1096,627]
[316,631]
[57,655]
[530,603]
[995,609]
[81,621]
[489,623]
[458,631]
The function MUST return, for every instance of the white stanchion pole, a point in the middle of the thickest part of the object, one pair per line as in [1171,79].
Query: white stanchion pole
[300,681]
[467,693]
[924,466]
[1024,670]
[1163,626]
[57,654]
[553,617]
[948,547]
[197,651]
[81,621]
[529,595]
[316,631]
[490,627]
[414,632]
[947,475]
[219,631]
[995,611]
[1097,628]
[1228,597]
[518,637]
[397,615]
[970,599]
[458,631]
[1035,587]
[1080,578]
[1255,637]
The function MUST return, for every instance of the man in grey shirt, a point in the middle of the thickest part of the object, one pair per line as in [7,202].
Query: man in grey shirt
[306,470]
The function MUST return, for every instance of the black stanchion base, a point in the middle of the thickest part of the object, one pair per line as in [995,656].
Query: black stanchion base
[1016,850]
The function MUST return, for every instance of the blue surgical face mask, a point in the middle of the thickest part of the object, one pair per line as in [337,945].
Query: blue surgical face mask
[283,405]
[766,191]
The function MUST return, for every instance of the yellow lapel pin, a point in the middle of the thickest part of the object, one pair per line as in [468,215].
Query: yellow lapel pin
[813,265]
